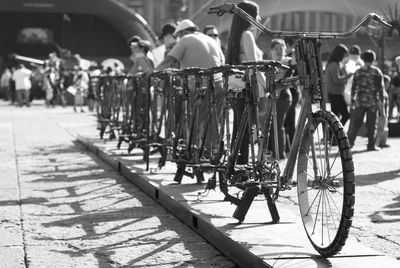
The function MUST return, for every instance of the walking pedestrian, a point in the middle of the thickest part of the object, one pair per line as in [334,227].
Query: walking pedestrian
[366,93]
[23,84]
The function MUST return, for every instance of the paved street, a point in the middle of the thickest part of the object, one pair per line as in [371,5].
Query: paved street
[62,206]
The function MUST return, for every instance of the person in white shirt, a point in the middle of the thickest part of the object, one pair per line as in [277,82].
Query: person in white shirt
[81,83]
[23,85]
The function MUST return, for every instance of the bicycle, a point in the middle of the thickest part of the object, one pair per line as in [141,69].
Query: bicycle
[325,169]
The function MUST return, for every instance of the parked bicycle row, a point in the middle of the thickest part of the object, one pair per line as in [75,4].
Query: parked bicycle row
[219,121]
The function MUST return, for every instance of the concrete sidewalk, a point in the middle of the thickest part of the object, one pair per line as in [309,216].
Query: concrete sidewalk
[60,206]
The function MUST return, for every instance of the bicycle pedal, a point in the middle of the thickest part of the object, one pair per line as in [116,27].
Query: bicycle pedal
[211,184]
[154,170]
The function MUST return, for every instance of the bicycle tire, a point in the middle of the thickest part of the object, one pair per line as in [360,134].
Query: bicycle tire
[325,185]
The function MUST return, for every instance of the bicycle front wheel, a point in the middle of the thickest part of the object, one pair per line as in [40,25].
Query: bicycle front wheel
[325,183]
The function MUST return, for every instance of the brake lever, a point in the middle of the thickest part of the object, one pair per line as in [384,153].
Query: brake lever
[221,10]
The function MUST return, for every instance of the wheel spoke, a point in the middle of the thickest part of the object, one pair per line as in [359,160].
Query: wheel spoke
[312,203]
[333,218]
[316,217]
[334,203]
[320,153]
[311,163]
[322,217]
[334,160]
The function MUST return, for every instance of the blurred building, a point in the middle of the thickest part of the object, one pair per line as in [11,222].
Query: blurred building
[95,29]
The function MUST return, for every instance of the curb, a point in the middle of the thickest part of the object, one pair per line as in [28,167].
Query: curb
[230,248]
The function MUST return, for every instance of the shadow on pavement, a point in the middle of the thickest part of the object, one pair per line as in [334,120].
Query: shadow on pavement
[375,178]
[120,224]
[390,214]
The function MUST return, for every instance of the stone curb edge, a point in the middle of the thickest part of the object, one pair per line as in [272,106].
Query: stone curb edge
[230,248]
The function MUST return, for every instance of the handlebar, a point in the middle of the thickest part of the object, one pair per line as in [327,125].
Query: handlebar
[166,72]
[191,71]
[234,9]
[267,64]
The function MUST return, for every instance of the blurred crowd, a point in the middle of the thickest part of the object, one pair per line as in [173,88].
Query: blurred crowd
[58,80]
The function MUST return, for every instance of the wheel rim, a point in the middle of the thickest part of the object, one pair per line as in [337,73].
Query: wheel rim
[320,185]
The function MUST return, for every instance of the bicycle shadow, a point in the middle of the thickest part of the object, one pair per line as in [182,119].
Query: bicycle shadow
[101,214]
[390,213]
[187,193]
[375,178]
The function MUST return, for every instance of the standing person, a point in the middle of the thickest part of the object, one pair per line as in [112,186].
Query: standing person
[167,37]
[5,83]
[354,62]
[23,84]
[278,53]
[169,40]
[290,120]
[48,87]
[195,49]
[94,72]
[212,31]
[141,61]
[242,47]
[81,84]
[383,128]
[335,81]
[366,93]
[394,96]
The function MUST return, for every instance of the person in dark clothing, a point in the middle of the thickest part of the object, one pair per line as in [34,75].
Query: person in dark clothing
[335,82]
[242,47]
[366,93]
[290,121]
[284,102]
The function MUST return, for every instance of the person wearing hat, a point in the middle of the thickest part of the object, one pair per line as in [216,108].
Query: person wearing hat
[195,49]
[141,59]
[212,31]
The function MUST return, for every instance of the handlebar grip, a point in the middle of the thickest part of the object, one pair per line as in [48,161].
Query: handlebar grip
[213,10]
[379,19]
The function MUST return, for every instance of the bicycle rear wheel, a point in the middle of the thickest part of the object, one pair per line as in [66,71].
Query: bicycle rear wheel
[325,183]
